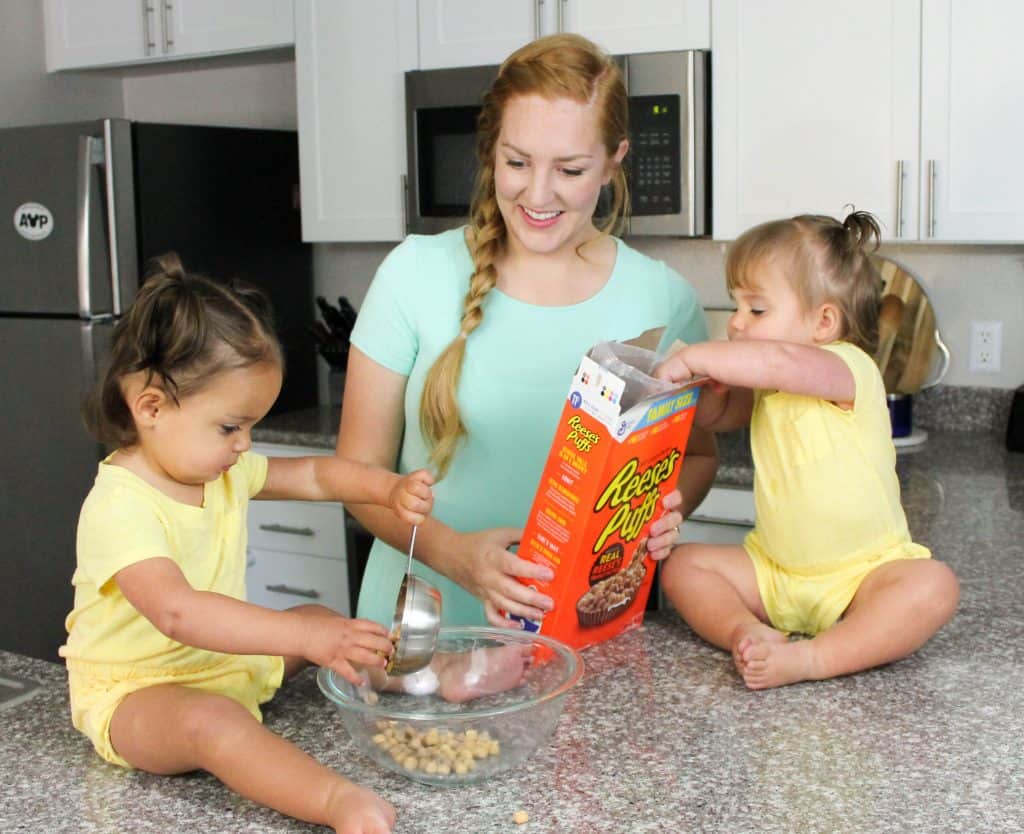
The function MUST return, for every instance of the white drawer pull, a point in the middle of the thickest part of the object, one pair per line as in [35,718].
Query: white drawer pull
[295,592]
[284,528]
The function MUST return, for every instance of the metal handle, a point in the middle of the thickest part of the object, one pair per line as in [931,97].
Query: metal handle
[89,153]
[293,531]
[931,198]
[945,362]
[148,44]
[691,139]
[165,14]
[108,182]
[295,592]
[536,18]
[899,198]
[560,15]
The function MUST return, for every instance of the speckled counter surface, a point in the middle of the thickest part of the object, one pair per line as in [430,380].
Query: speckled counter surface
[661,736]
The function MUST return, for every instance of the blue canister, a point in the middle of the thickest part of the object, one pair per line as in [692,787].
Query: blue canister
[901,413]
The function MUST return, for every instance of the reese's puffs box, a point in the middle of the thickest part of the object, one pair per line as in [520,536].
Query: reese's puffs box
[617,452]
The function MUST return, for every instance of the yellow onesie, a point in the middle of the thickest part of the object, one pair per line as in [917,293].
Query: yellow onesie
[826,497]
[112,650]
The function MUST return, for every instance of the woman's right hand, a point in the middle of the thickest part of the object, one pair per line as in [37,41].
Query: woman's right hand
[489,570]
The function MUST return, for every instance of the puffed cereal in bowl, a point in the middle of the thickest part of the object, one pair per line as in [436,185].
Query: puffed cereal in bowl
[487,702]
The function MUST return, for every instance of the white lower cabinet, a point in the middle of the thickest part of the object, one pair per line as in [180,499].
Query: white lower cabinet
[296,553]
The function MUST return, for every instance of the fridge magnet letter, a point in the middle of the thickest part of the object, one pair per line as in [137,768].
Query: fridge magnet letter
[33,221]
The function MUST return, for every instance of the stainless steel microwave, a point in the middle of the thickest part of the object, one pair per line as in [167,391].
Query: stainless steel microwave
[667,166]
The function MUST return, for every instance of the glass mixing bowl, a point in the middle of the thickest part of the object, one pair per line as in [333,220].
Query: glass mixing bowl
[490,698]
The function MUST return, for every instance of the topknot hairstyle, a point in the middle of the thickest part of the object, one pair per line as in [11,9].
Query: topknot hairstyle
[824,260]
[181,331]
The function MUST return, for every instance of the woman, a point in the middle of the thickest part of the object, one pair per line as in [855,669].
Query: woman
[467,341]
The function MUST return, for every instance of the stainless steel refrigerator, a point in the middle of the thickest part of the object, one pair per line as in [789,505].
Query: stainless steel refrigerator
[84,206]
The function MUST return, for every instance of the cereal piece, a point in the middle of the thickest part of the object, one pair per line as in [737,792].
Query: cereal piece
[520,817]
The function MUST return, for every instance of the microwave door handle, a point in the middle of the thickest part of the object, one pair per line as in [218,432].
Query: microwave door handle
[87,151]
[112,249]
[691,138]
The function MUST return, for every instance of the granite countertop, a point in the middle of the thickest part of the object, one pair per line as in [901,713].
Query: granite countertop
[661,735]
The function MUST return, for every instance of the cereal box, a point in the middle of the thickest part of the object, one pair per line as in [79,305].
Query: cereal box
[617,452]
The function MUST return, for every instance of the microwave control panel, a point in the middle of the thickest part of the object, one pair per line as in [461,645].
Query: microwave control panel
[653,173]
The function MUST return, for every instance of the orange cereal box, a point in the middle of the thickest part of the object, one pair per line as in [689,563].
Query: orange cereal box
[617,452]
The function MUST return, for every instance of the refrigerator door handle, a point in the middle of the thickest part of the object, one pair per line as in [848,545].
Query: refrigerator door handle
[108,181]
[89,154]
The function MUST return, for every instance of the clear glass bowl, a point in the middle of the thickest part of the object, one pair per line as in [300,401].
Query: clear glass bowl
[463,737]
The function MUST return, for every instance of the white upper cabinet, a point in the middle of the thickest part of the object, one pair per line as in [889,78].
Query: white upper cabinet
[908,110]
[458,33]
[350,60]
[814,105]
[972,121]
[120,32]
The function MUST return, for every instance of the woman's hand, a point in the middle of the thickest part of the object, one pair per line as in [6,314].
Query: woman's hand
[664,533]
[342,644]
[488,570]
[412,498]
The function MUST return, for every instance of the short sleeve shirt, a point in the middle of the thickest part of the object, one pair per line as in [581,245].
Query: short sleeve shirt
[515,377]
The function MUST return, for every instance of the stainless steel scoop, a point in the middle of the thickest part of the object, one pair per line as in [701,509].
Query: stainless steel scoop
[416,622]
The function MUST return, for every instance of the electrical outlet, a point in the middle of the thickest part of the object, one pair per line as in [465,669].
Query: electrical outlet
[986,346]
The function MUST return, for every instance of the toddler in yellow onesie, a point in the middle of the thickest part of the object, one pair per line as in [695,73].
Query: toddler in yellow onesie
[830,555]
[167,662]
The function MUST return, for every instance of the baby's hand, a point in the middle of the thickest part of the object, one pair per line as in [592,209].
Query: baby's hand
[412,498]
[341,644]
[674,368]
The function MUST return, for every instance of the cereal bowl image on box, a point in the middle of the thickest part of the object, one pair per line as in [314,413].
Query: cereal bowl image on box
[490,699]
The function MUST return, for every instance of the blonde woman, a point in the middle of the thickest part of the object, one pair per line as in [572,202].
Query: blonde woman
[467,340]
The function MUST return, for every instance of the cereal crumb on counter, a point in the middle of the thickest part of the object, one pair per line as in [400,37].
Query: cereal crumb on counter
[520,817]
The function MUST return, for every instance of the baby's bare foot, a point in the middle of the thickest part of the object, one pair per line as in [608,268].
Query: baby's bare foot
[750,634]
[482,672]
[769,664]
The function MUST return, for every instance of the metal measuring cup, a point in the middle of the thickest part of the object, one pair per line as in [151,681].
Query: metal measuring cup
[416,622]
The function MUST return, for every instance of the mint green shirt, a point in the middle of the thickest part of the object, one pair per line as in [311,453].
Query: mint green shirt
[515,378]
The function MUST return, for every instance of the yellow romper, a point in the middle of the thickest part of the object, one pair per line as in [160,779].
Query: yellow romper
[112,650]
[827,499]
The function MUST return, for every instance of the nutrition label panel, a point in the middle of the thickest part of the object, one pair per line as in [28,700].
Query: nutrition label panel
[654,182]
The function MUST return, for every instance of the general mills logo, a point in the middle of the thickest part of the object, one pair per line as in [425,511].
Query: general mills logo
[33,221]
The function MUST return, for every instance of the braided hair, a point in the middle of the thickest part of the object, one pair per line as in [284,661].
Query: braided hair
[557,66]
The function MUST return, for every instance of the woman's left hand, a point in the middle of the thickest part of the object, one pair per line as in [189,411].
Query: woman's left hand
[665,530]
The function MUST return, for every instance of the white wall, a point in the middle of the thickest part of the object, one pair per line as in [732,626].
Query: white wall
[229,92]
[28,95]
[964,283]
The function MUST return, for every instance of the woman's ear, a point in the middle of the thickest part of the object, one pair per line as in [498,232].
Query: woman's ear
[829,324]
[615,161]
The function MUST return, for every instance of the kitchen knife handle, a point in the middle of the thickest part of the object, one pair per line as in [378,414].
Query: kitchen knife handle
[931,198]
[899,198]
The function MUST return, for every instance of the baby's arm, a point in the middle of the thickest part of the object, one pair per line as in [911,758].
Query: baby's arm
[331,478]
[807,370]
[159,591]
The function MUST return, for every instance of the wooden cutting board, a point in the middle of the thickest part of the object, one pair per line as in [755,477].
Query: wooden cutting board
[907,362]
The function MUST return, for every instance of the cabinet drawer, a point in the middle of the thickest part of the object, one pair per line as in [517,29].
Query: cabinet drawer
[298,527]
[284,580]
